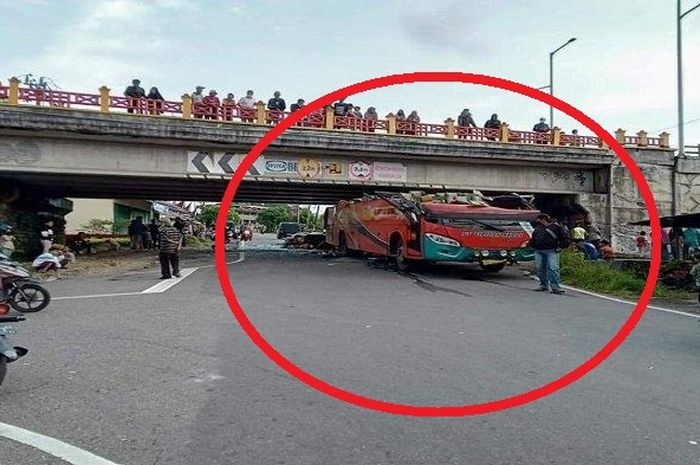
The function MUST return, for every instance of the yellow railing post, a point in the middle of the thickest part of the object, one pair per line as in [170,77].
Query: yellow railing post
[186,106]
[104,99]
[260,113]
[450,133]
[330,117]
[505,132]
[556,136]
[13,91]
[642,139]
[664,140]
[391,123]
[620,136]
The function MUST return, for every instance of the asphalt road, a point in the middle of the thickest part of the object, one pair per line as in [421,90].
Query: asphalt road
[170,378]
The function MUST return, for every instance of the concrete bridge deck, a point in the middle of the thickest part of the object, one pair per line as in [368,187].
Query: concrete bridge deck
[93,154]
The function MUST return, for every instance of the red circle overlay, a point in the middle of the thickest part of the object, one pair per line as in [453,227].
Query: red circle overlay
[437,411]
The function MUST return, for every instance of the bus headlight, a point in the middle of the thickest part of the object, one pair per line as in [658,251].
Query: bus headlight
[504,253]
[442,240]
[484,253]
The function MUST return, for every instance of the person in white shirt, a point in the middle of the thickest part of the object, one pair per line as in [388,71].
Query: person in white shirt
[247,104]
[46,237]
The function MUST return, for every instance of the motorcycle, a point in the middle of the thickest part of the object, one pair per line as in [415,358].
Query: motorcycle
[8,353]
[24,293]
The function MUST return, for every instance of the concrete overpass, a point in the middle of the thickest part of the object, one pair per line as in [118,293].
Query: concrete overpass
[90,154]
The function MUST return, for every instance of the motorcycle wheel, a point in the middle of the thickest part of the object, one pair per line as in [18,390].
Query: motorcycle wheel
[3,368]
[29,298]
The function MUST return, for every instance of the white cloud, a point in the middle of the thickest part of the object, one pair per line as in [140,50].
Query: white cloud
[110,40]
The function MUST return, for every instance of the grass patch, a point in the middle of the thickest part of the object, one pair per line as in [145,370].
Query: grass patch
[601,277]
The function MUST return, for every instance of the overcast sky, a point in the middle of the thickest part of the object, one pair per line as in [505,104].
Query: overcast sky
[621,70]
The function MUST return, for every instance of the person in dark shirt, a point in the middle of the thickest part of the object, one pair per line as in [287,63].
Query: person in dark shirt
[542,126]
[135,93]
[155,234]
[155,105]
[81,244]
[493,122]
[297,106]
[465,119]
[340,108]
[548,239]
[276,103]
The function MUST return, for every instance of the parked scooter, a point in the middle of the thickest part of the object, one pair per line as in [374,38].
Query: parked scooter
[8,353]
[24,293]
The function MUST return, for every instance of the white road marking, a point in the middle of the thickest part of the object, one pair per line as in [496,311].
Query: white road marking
[155,289]
[59,449]
[238,260]
[95,296]
[166,284]
[622,301]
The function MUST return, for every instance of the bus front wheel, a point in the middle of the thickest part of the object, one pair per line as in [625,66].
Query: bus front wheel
[493,267]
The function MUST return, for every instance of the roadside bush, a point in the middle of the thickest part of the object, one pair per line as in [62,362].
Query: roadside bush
[599,276]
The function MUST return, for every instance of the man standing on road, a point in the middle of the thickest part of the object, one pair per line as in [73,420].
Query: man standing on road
[170,245]
[548,239]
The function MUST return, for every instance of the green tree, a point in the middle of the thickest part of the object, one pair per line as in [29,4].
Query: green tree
[208,214]
[98,225]
[308,217]
[271,217]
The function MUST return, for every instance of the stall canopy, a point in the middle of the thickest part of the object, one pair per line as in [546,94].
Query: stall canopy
[691,220]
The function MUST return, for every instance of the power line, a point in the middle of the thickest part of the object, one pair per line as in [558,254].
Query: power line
[686,123]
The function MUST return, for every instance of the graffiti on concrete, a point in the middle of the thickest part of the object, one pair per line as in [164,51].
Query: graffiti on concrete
[564,177]
[24,153]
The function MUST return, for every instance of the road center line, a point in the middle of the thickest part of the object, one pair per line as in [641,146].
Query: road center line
[166,284]
[59,449]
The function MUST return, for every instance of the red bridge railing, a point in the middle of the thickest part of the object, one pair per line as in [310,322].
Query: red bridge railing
[13,94]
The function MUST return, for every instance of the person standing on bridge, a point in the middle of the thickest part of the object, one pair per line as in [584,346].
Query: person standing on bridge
[493,123]
[212,104]
[197,102]
[229,106]
[277,103]
[297,106]
[542,126]
[155,101]
[370,119]
[414,119]
[465,120]
[247,106]
[170,246]
[548,239]
[135,93]
[400,122]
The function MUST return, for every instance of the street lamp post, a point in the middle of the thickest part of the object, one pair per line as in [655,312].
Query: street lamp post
[679,53]
[676,201]
[551,79]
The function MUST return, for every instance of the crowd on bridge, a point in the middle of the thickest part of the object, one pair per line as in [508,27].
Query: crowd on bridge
[208,105]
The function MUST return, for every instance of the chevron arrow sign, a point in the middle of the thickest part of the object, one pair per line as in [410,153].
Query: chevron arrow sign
[220,163]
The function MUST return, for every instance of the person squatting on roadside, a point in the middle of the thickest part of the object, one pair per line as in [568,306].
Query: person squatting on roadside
[170,246]
[548,240]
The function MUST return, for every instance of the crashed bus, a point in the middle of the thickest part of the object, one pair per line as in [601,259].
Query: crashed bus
[412,228]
